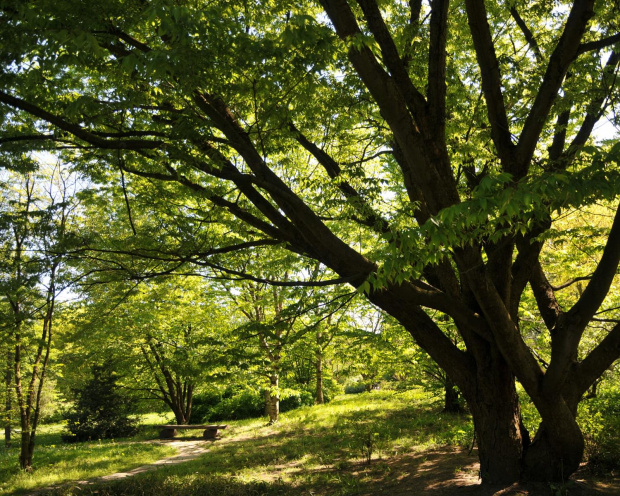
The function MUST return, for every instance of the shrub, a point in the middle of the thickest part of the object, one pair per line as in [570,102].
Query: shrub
[291,399]
[202,404]
[331,389]
[356,388]
[100,411]
[249,403]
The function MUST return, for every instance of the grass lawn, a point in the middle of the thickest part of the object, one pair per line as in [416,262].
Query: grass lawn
[56,462]
[375,443]
[343,447]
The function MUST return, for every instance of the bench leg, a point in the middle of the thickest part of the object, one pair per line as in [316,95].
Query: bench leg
[210,434]
[167,433]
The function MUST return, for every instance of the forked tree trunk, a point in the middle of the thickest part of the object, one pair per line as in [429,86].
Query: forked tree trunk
[179,415]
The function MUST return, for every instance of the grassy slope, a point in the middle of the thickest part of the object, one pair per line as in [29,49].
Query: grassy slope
[313,450]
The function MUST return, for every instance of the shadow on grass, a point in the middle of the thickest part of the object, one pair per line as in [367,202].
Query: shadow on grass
[309,455]
[301,455]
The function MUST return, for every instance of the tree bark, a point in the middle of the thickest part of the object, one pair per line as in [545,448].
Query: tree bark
[319,399]
[9,397]
[495,409]
[273,398]
[27,449]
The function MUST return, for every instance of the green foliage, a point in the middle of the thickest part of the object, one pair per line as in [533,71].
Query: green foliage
[356,388]
[291,399]
[202,404]
[248,403]
[100,410]
[599,418]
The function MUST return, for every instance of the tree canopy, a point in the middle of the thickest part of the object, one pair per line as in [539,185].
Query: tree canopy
[424,152]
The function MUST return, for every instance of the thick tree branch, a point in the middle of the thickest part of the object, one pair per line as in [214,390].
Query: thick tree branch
[491,80]
[77,130]
[559,62]
[595,110]
[583,375]
[391,58]
[437,67]
[598,44]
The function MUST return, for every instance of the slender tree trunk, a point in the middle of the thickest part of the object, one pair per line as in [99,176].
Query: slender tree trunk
[26,452]
[27,449]
[273,403]
[319,399]
[9,399]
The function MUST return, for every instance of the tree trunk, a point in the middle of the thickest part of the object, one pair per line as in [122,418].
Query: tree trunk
[180,416]
[273,398]
[496,413]
[319,399]
[557,448]
[27,451]
[9,397]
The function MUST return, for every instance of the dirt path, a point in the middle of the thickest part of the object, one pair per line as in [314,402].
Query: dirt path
[188,450]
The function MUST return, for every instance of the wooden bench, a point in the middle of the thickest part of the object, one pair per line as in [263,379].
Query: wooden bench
[210,431]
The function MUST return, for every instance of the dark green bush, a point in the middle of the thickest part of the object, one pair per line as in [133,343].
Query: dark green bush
[100,410]
[356,388]
[291,399]
[202,404]
[249,403]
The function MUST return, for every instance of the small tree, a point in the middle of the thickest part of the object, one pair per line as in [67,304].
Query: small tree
[100,411]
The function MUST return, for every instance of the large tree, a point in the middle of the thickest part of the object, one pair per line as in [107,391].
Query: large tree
[421,151]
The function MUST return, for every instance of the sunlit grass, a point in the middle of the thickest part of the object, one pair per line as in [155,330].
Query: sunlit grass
[309,450]
[57,462]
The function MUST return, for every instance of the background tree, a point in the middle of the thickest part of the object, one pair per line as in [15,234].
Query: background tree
[100,411]
[166,338]
[364,152]
[39,214]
